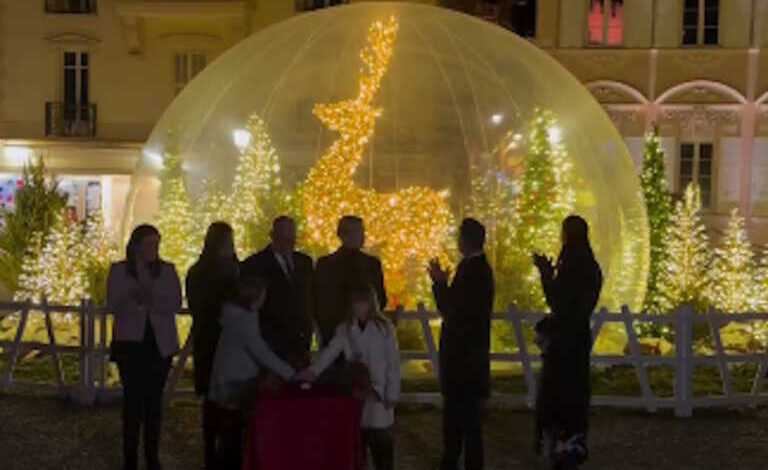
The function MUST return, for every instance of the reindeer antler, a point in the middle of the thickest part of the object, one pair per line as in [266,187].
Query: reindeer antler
[376,56]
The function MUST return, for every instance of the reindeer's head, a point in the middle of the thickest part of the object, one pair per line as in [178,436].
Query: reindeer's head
[355,118]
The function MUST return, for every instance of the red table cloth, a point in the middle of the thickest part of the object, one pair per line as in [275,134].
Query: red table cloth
[304,430]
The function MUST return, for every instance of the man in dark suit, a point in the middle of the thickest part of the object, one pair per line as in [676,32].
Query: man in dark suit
[342,271]
[465,373]
[286,318]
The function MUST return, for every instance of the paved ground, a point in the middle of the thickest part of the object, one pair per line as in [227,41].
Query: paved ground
[42,433]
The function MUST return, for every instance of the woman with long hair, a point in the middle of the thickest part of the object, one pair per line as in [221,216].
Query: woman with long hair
[572,288]
[144,294]
[211,282]
[367,339]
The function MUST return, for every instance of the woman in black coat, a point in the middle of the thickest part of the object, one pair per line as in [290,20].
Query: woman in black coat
[211,281]
[572,289]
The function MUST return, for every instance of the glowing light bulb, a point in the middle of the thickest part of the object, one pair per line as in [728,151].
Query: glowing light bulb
[242,138]
[555,134]
[497,118]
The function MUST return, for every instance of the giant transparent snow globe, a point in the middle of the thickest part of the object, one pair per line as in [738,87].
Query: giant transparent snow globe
[410,116]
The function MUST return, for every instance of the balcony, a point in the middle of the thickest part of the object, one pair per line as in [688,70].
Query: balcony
[71,7]
[70,120]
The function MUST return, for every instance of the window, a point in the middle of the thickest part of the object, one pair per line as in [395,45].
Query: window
[76,86]
[606,22]
[186,66]
[70,6]
[521,18]
[307,5]
[696,162]
[701,19]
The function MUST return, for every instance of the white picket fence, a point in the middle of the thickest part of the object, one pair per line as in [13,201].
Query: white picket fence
[92,357]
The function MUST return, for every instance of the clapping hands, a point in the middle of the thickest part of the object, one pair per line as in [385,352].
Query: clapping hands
[544,264]
[437,273]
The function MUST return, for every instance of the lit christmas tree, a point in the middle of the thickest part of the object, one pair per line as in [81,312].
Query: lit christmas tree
[658,206]
[732,287]
[213,206]
[63,263]
[685,277]
[175,218]
[100,251]
[545,197]
[31,282]
[70,264]
[760,295]
[258,193]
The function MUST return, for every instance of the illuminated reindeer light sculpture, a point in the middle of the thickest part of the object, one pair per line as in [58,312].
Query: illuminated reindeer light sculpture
[406,228]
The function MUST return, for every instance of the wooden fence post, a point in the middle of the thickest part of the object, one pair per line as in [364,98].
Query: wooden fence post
[683,361]
[434,357]
[514,316]
[15,350]
[637,360]
[52,342]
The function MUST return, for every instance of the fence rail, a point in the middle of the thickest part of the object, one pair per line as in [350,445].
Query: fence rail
[92,354]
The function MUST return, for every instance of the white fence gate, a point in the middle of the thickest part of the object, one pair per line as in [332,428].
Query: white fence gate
[93,350]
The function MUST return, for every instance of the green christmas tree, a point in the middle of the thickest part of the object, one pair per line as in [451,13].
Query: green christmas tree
[732,285]
[30,281]
[658,206]
[685,277]
[37,204]
[175,218]
[545,196]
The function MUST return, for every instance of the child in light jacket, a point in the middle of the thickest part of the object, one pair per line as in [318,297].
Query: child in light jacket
[241,354]
[367,337]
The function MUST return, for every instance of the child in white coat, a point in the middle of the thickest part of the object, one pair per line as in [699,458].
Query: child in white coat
[367,337]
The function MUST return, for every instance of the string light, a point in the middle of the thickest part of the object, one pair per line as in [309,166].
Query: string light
[658,207]
[406,227]
[733,270]
[685,277]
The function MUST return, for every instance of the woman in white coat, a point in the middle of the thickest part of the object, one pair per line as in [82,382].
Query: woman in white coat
[367,337]
[144,294]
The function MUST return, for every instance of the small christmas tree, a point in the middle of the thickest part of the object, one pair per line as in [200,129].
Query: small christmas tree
[100,252]
[63,263]
[658,205]
[30,283]
[685,277]
[760,285]
[733,270]
[175,218]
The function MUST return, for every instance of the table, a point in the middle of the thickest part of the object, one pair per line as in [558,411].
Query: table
[304,430]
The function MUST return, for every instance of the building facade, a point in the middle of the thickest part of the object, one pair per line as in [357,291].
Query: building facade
[82,82]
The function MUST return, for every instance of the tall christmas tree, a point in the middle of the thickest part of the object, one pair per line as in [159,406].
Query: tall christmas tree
[733,271]
[175,218]
[685,276]
[258,193]
[658,206]
[545,197]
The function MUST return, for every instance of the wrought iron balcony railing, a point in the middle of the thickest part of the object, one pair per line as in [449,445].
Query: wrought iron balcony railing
[70,119]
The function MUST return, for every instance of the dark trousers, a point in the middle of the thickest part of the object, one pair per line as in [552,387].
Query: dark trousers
[462,428]
[381,443]
[209,434]
[229,438]
[143,377]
